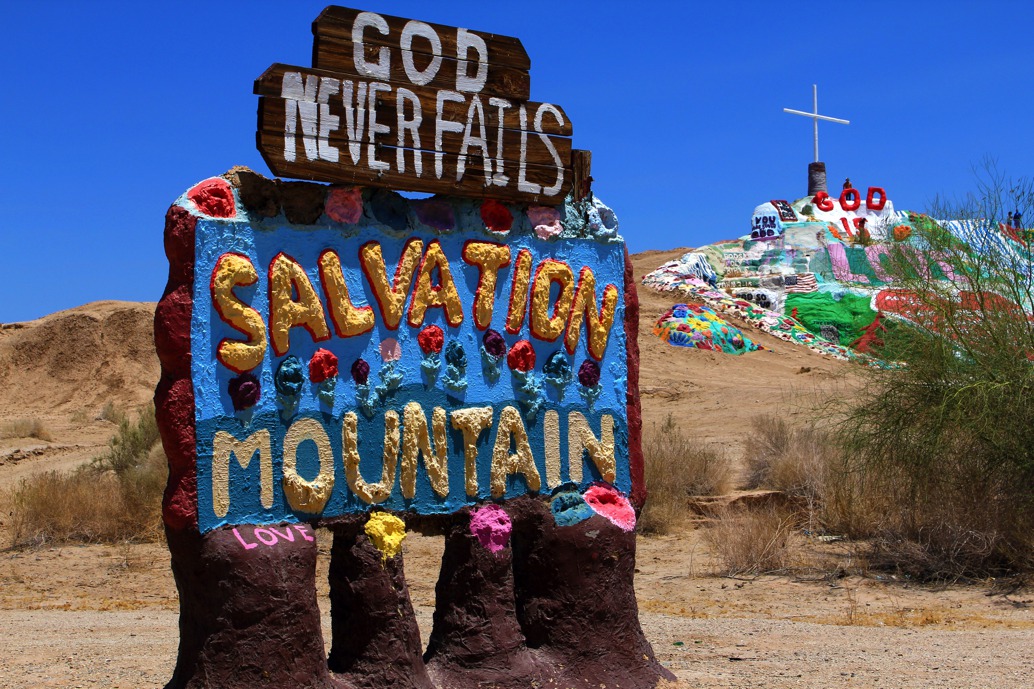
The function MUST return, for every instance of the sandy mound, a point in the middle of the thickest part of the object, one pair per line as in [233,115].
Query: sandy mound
[79,359]
[713,395]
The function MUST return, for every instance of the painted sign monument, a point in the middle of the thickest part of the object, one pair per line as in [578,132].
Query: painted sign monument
[346,357]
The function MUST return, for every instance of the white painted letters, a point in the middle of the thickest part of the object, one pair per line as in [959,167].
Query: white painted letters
[382,68]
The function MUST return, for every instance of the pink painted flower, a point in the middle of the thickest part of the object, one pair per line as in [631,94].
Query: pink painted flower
[491,526]
[345,204]
[607,502]
[545,220]
[390,349]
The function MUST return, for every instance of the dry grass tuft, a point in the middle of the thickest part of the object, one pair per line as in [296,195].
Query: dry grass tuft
[111,412]
[26,428]
[114,499]
[753,542]
[677,468]
[794,460]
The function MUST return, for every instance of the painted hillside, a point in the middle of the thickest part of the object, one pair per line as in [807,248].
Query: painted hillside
[814,271]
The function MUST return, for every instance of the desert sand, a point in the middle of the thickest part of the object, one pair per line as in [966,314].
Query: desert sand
[105,616]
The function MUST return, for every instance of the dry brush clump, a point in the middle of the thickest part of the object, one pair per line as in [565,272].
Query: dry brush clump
[115,498]
[26,428]
[677,468]
[796,460]
[749,542]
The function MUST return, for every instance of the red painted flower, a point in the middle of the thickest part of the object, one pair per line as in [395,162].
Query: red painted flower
[496,216]
[521,356]
[213,197]
[431,339]
[322,366]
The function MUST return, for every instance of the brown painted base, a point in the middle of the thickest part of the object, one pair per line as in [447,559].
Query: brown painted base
[248,615]
[476,640]
[376,641]
[555,608]
[575,599]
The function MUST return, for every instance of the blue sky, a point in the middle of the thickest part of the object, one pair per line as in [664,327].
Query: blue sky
[111,110]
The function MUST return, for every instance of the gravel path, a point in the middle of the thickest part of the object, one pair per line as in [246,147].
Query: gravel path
[136,649]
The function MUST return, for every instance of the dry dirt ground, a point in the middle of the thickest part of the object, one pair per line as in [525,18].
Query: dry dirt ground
[105,616]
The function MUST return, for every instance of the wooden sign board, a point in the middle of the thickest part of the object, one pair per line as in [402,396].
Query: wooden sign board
[407,105]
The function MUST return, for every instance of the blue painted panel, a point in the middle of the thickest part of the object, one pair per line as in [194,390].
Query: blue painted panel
[261,242]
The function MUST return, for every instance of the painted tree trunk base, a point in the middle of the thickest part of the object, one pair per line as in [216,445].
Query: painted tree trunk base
[248,612]
[476,640]
[575,599]
[375,638]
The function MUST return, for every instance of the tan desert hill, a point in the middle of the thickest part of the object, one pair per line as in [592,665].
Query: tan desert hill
[79,358]
[713,395]
[62,370]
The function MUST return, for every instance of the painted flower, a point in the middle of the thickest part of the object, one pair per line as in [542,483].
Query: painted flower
[521,356]
[436,214]
[902,232]
[557,369]
[545,220]
[455,356]
[345,205]
[496,216]
[322,366]
[589,373]
[390,349]
[431,339]
[390,209]
[494,343]
[360,371]
[214,197]
[245,391]
[290,375]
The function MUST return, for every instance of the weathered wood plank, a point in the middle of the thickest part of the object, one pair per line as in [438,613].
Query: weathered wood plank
[336,55]
[273,123]
[581,172]
[270,84]
[336,22]
[271,144]
[536,152]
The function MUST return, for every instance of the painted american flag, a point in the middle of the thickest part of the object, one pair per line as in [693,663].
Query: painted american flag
[800,283]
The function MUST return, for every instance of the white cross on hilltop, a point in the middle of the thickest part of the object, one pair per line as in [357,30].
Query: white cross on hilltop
[815,116]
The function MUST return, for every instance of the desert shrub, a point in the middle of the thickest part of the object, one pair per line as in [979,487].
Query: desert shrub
[26,428]
[130,445]
[942,447]
[752,541]
[794,459]
[111,412]
[115,498]
[678,467]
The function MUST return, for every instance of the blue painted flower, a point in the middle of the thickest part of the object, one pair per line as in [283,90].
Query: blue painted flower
[290,376]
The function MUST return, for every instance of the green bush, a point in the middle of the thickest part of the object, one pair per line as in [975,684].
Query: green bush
[944,445]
